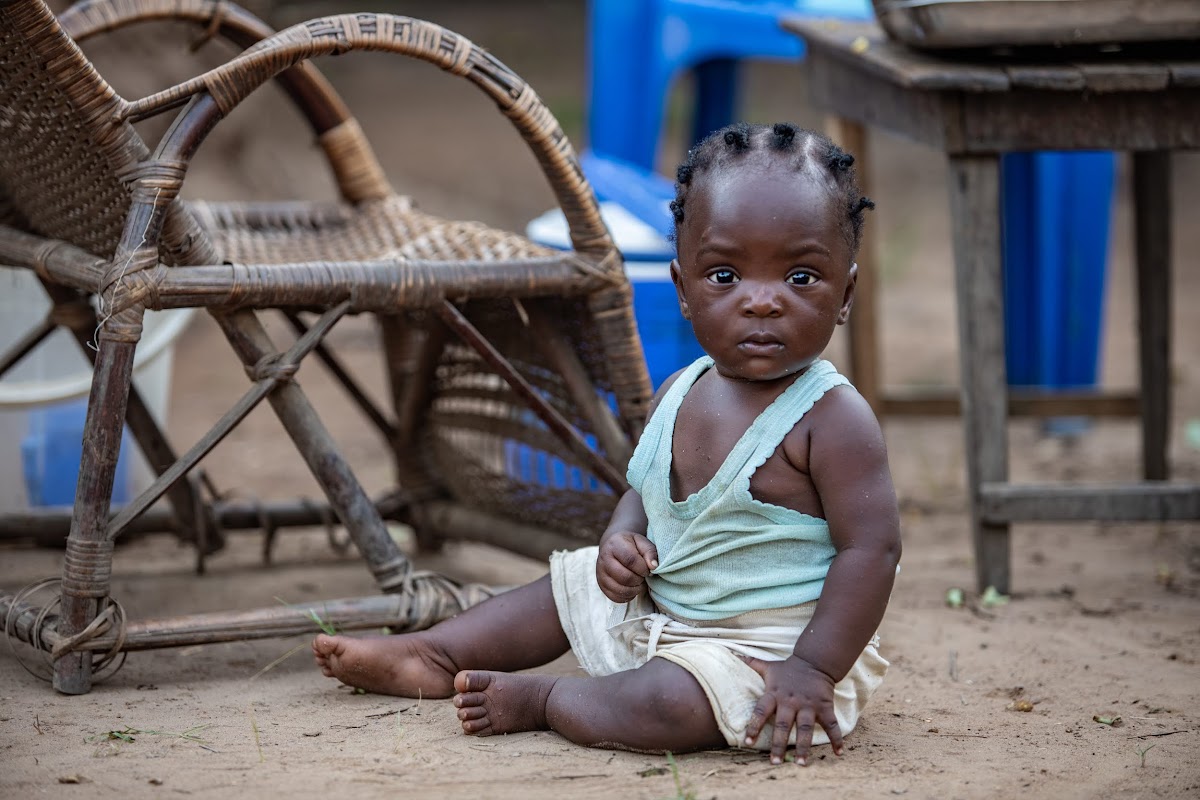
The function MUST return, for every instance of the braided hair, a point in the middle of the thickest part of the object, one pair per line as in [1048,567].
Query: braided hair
[802,147]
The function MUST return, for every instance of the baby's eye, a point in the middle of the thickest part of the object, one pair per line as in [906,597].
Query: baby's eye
[801,279]
[723,276]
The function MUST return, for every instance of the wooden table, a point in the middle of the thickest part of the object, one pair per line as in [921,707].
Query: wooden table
[975,110]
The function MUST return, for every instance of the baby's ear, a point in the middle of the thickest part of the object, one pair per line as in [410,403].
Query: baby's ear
[677,279]
[848,297]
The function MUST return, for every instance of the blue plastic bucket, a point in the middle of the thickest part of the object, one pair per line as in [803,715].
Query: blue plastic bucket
[50,454]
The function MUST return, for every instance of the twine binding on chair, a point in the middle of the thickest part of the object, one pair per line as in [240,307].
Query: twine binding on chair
[433,596]
[113,277]
[87,568]
[42,256]
[269,368]
[111,614]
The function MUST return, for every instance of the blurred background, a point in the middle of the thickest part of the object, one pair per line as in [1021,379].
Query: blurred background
[443,142]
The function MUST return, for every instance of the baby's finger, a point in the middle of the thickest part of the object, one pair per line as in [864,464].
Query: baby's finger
[618,575]
[615,591]
[631,558]
[804,734]
[756,664]
[758,717]
[829,722]
[785,718]
[649,553]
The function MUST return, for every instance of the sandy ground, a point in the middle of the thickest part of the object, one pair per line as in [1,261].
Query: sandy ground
[1103,621]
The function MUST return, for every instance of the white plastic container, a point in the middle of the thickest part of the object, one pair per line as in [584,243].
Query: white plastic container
[44,398]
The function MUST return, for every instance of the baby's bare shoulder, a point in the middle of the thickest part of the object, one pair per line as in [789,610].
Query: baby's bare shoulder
[840,421]
[662,391]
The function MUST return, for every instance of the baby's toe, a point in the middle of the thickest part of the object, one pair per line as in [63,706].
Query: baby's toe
[472,713]
[468,681]
[476,727]
[470,700]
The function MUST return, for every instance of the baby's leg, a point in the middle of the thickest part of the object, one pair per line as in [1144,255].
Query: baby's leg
[654,708]
[515,630]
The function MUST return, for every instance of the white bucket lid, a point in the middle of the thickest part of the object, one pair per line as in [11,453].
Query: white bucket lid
[636,240]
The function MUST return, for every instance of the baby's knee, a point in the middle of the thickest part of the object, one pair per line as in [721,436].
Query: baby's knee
[671,697]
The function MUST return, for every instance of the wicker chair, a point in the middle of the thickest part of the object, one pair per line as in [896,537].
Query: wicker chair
[494,345]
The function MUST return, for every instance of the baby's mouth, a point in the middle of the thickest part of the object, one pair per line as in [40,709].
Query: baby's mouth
[759,344]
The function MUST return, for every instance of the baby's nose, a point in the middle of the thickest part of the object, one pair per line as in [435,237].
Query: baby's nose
[762,301]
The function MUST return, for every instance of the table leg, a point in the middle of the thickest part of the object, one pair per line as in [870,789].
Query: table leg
[979,285]
[863,328]
[1152,232]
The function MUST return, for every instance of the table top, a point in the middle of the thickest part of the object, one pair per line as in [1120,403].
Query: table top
[866,46]
[981,103]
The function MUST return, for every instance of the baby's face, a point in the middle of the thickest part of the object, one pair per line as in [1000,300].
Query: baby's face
[764,270]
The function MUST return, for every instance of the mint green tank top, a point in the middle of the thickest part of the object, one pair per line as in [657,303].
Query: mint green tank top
[720,551]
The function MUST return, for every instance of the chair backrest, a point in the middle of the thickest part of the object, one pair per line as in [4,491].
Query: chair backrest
[61,152]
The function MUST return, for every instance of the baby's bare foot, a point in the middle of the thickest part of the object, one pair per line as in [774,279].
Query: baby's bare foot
[500,702]
[406,665]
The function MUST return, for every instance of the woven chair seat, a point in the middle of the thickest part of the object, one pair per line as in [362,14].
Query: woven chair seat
[265,233]
[480,436]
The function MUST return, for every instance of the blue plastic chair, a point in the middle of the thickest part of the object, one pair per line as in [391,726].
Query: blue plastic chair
[1057,205]
[638,47]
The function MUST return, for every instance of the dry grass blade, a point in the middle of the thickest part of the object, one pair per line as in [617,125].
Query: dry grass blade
[279,660]
[257,740]
[129,734]
[326,627]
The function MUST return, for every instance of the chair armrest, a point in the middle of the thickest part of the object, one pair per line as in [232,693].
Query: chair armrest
[232,82]
[356,170]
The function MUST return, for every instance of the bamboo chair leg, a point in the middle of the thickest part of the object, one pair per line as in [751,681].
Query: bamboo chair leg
[254,347]
[411,352]
[81,321]
[356,392]
[87,564]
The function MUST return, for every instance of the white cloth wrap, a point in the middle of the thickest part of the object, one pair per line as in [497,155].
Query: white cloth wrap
[610,637]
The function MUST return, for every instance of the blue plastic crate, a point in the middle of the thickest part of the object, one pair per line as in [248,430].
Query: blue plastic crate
[530,465]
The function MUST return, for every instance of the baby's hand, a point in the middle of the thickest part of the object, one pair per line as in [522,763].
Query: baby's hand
[625,560]
[798,694]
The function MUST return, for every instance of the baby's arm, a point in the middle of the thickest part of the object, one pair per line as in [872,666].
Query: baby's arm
[847,462]
[626,555]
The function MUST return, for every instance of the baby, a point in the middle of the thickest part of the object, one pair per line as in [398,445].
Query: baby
[734,597]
